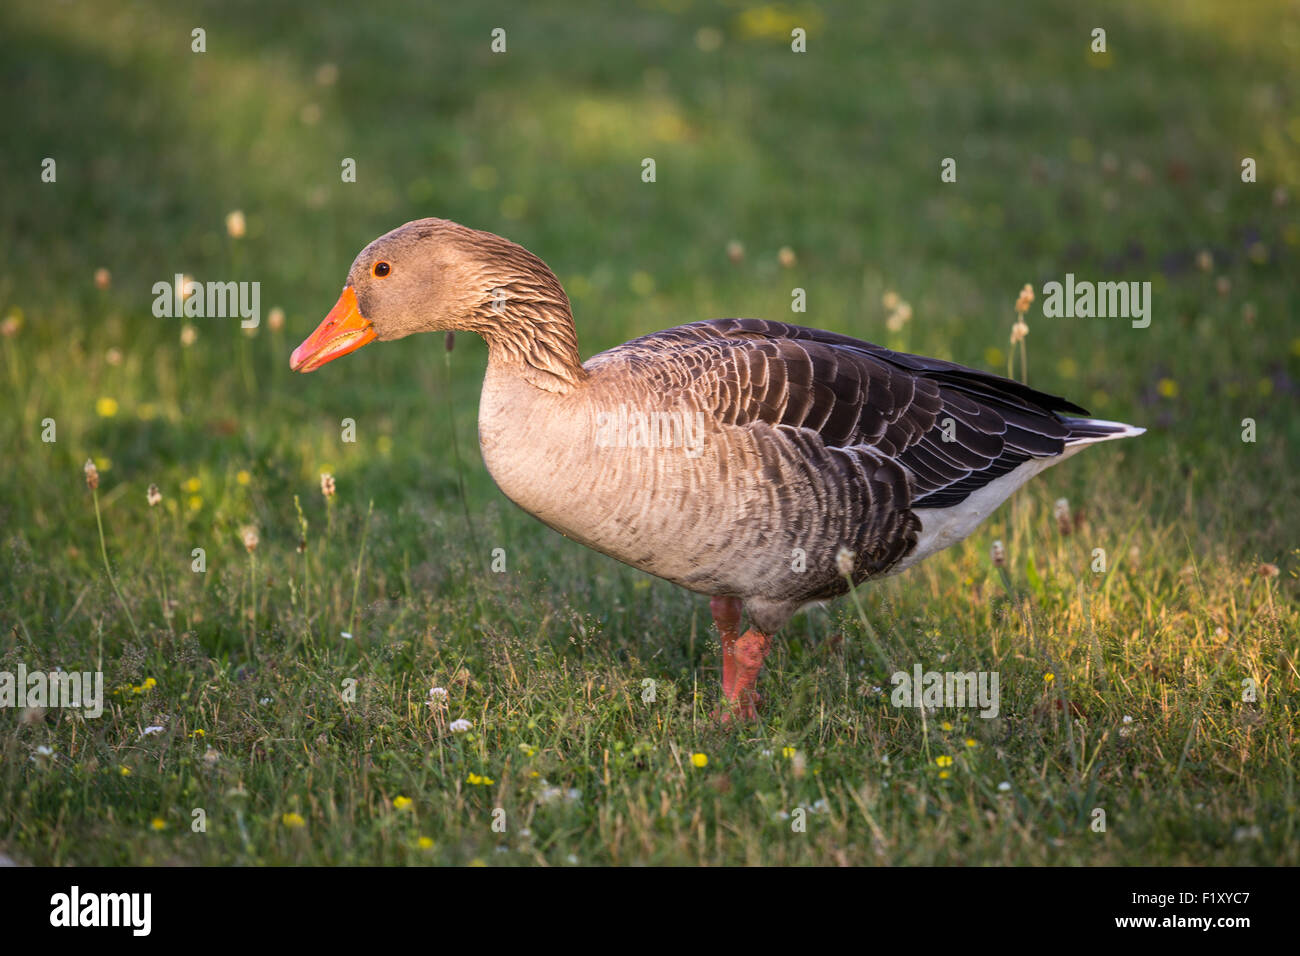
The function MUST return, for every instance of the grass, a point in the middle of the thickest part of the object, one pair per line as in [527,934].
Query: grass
[1121,690]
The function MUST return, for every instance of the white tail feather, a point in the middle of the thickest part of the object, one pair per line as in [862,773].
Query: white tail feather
[1112,430]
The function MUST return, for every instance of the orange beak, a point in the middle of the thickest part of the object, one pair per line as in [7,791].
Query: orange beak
[344,330]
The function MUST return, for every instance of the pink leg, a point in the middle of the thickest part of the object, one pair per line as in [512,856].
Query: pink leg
[750,651]
[726,618]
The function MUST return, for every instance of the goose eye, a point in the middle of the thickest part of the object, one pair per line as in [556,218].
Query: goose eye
[381,269]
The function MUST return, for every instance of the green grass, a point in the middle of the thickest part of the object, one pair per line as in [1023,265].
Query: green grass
[1123,167]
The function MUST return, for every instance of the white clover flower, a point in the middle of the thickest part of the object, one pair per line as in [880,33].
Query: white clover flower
[550,794]
[1004,786]
[149,731]
[461,726]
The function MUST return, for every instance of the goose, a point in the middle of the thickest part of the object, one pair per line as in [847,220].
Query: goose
[761,464]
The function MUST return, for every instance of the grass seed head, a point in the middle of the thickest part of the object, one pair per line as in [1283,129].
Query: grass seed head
[1064,520]
[1025,300]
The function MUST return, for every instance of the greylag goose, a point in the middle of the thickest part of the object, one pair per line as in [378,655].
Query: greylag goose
[747,460]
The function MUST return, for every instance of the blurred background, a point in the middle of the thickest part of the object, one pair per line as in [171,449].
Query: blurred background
[1122,165]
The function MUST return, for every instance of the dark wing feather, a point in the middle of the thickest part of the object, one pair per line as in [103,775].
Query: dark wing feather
[853,395]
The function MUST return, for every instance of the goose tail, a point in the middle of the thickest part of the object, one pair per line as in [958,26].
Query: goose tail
[1089,431]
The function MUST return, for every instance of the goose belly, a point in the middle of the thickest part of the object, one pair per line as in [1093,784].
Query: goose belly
[657,509]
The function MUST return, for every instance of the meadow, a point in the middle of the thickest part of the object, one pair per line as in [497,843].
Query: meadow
[281,696]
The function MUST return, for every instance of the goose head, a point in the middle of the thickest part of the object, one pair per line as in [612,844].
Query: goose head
[425,276]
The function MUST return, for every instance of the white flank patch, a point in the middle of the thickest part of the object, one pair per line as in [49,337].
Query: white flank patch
[943,527]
